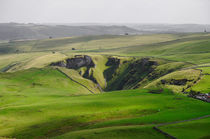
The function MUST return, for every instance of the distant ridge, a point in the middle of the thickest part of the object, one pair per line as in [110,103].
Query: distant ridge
[19,31]
[16,31]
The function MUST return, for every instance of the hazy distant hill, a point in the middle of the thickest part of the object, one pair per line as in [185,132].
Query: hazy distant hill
[14,31]
[170,28]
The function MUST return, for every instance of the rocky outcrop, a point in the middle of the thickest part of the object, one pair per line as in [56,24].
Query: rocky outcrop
[200,96]
[203,97]
[113,61]
[176,82]
[113,64]
[75,63]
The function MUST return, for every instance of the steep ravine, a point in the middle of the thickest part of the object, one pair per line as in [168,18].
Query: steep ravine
[124,74]
[121,73]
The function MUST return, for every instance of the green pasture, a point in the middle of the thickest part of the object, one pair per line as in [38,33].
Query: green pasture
[197,129]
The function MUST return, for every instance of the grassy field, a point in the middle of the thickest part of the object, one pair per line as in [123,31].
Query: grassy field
[181,47]
[195,51]
[190,130]
[40,101]
[203,84]
[45,114]
[14,62]
[205,70]
[193,48]
[119,132]
[38,81]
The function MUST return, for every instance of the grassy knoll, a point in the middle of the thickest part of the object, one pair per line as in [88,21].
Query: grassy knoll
[198,129]
[205,70]
[161,70]
[47,114]
[203,84]
[174,80]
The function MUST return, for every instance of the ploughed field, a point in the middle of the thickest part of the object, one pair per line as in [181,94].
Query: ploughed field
[106,87]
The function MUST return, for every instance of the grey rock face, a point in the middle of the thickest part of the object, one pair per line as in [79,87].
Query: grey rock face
[75,63]
[176,82]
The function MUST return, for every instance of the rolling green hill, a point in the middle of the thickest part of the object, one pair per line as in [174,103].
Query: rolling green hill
[135,82]
[192,129]
[39,81]
[45,114]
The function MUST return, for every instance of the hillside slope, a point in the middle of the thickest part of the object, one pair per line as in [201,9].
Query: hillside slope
[15,31]
[49,90]
[46,114]
[44,80]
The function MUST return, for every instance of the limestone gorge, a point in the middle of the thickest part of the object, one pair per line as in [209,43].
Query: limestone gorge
[152,86]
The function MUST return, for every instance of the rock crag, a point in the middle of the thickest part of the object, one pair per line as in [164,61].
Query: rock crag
[75,63]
